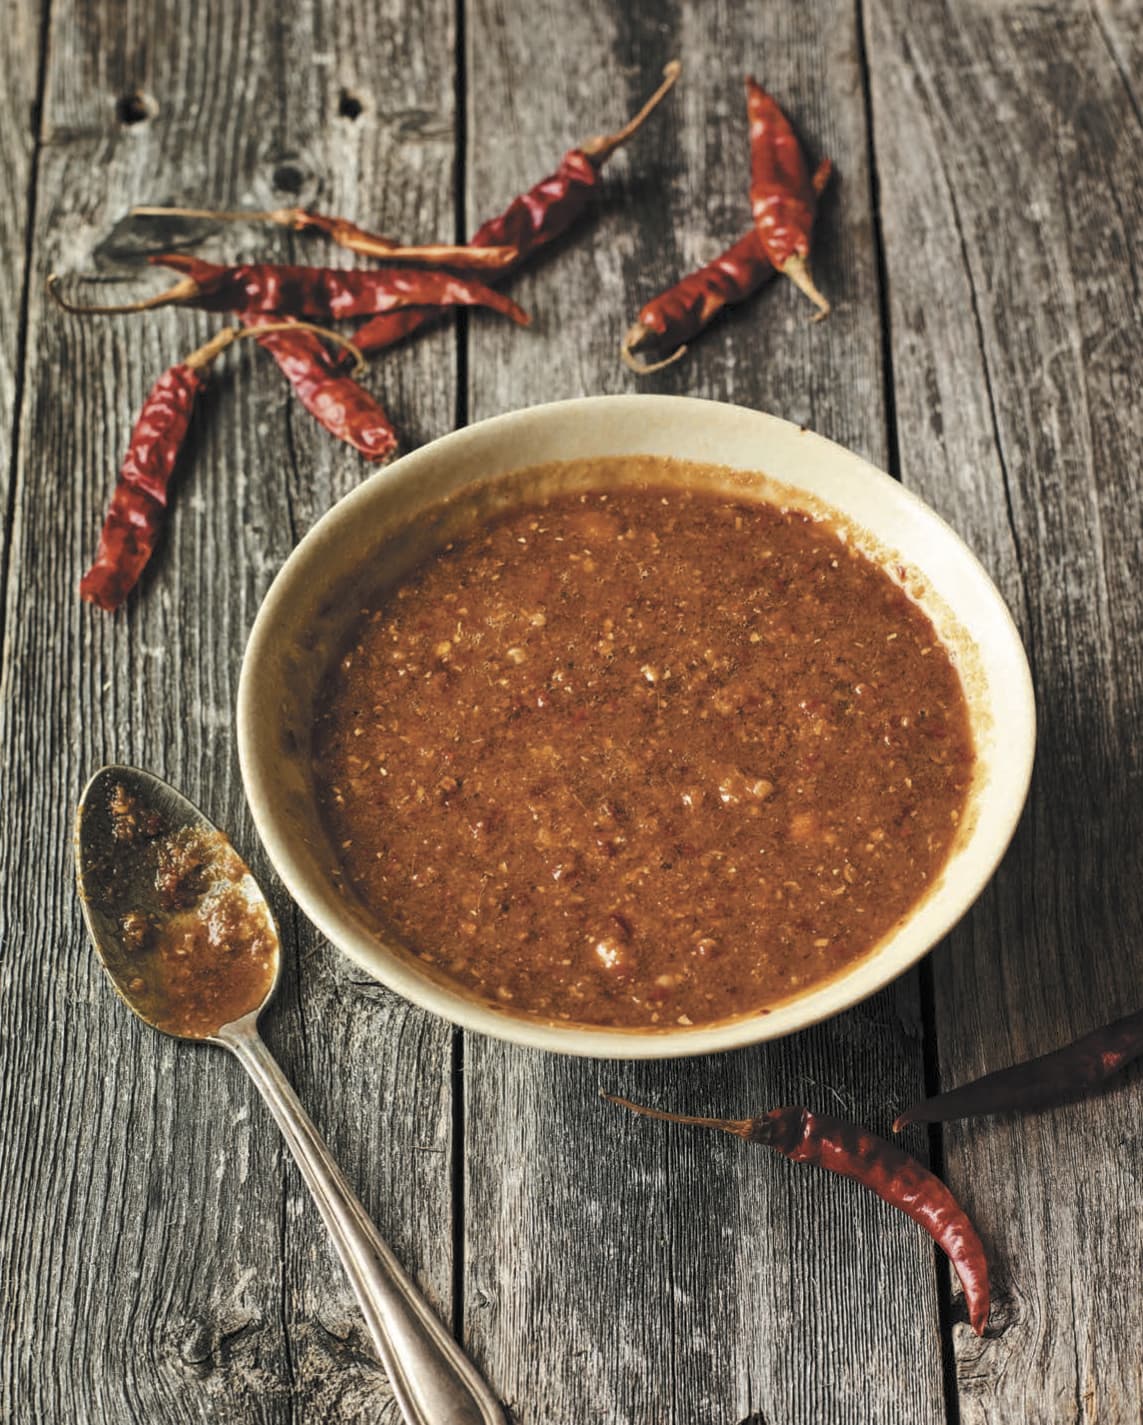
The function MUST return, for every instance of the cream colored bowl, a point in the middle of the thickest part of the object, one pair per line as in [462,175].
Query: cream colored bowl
[368,540]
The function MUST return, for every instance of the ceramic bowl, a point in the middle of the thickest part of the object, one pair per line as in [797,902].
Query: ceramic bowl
[377,533]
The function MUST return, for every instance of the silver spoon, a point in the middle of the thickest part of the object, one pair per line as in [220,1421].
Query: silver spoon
[190,944]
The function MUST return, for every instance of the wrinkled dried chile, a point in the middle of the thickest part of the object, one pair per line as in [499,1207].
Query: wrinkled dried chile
[853,1152]
[533,219]
[783,197]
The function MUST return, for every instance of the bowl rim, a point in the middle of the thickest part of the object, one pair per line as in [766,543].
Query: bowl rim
[849,987]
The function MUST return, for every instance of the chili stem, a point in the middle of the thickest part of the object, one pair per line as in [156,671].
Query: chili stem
[736,1126]
[218,343]
[600,149]
[183,291]
[349,236]
[644,368]
[336,337]
[286,217]
[206,353]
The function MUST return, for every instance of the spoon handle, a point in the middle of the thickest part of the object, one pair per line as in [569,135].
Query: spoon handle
[434,1382]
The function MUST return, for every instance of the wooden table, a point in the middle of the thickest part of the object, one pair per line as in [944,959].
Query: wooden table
[161,1261]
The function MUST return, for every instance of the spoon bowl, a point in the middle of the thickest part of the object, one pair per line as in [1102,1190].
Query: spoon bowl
[179,923]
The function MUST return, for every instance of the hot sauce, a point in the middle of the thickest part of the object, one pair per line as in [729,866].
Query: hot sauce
[643,756]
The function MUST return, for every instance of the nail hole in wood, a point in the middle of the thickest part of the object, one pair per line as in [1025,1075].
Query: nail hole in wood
[349,106]
[289,178]
[132,109]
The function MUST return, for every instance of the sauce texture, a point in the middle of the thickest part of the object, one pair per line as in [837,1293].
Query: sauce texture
[195,949]
[643,756]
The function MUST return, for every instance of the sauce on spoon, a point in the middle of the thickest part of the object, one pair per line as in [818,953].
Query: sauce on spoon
[195,945]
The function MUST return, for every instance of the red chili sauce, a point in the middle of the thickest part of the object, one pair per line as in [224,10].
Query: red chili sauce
[198,953]
[643,757]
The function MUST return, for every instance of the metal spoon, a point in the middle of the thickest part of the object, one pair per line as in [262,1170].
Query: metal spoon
[185,933]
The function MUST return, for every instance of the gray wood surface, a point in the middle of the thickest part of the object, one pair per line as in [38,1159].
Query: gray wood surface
[20,45]
[160,1258]
[1012,196]
[617,1270]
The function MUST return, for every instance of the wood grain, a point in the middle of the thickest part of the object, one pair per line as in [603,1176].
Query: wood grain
[1008,142]
[162,1261]
[1120,25]
[618,1270]
[20,40]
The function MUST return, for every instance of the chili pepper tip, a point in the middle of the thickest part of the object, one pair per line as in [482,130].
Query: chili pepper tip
[797,270]
[644,368]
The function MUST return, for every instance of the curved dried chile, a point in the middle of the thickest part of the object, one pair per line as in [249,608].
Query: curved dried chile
[335,400]
[672,318]
[137,513]
[853,1152]
[535,218]
[669,321]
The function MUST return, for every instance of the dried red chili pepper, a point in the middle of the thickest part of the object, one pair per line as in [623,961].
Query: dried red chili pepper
[1049,1079]
[135,516]
[783,198]
[391,327]
[671,319]
[138,507]
[462,257]
[854,1152]
[334,399]
[550,208]
[320,294]
[537,217]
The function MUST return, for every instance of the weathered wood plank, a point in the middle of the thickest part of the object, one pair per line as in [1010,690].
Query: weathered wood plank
[161,1259]
[1120,24]
[20,38]
[615,1270]
[1012,194]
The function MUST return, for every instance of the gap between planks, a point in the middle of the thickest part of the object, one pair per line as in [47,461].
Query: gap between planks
[926,985]
[20,356]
